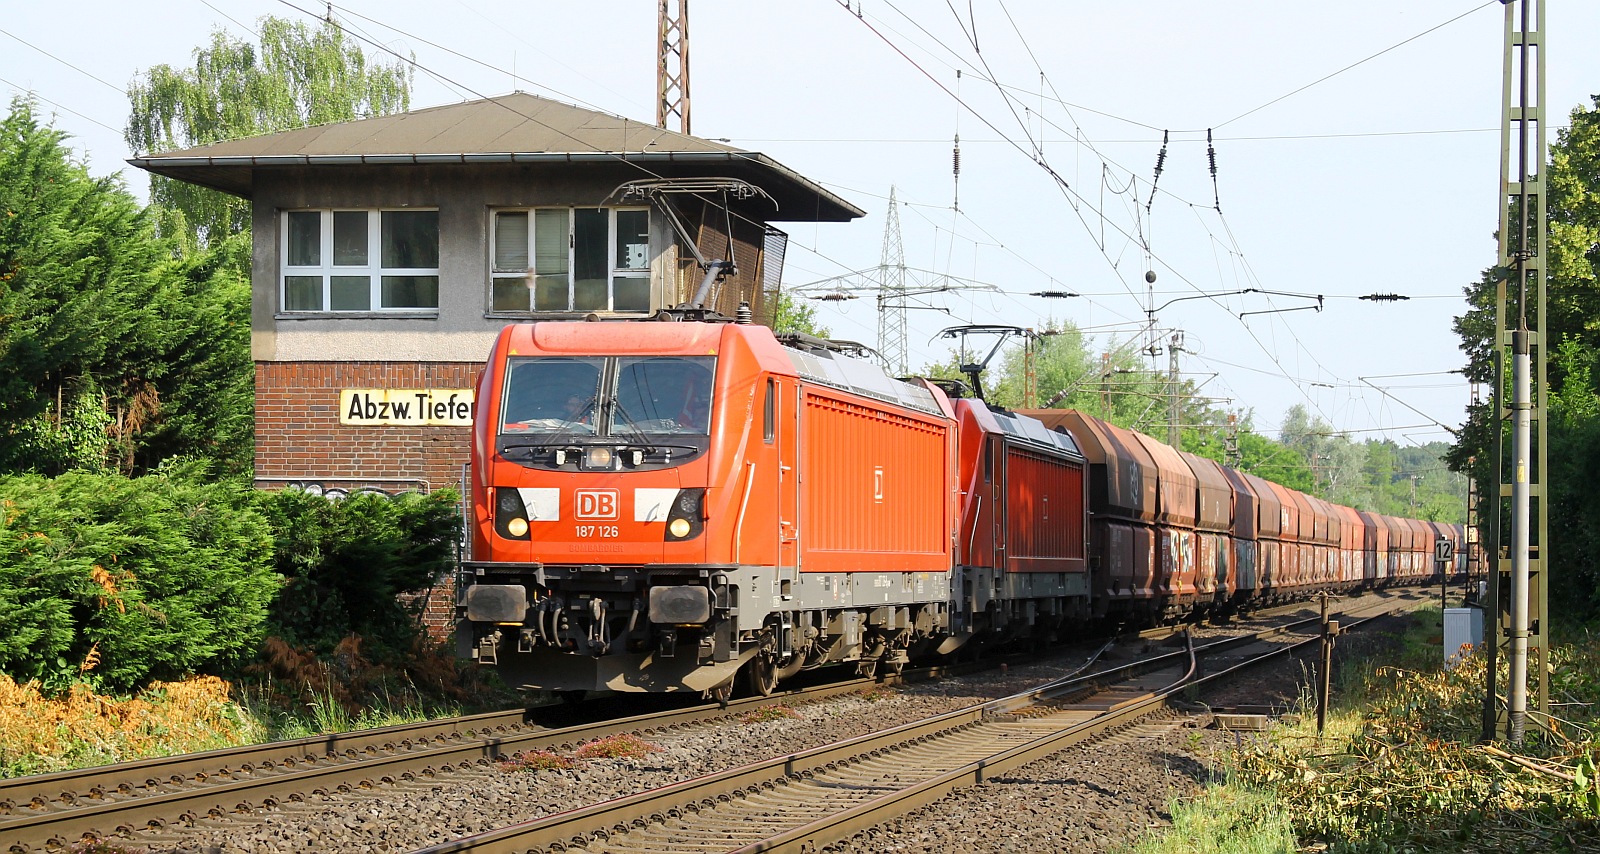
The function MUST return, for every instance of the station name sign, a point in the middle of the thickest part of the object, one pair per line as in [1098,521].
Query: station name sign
[433,407]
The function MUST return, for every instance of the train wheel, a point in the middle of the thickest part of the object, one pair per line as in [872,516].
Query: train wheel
[867,668]
[761,674]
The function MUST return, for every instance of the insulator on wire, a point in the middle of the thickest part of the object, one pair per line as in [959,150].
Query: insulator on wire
[955,157]
[1211,154]
[1161,162]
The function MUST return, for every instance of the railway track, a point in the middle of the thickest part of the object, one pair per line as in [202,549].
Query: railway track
[53,811]
[806,800]
[49,812]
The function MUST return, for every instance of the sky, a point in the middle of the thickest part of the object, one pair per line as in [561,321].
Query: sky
[1356,151]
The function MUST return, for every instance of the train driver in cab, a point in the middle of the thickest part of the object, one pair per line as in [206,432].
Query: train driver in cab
[694,416]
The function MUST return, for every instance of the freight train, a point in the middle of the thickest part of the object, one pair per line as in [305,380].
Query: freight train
[666,506]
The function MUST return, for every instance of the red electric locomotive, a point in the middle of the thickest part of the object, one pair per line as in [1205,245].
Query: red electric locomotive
[658,505]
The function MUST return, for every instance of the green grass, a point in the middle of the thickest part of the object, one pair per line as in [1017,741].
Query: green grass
[1398,769]
[1230,818]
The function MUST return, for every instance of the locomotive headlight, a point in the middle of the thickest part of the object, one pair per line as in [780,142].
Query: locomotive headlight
[686,519]
[510,514]
[595,457]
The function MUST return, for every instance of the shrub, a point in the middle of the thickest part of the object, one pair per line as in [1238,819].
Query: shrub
[119,581]
[348,562]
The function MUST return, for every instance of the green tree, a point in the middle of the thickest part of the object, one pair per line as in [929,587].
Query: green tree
[1274,461]
[77,301]
[201,379]
[791,315]
[297,76]
[115,353]
[1572,340]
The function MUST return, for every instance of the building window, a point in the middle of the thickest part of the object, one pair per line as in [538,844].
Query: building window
[571,259]
[360,260]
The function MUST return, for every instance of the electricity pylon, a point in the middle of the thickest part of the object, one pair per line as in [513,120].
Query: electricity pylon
[891,284]
[672,65]
[892,293]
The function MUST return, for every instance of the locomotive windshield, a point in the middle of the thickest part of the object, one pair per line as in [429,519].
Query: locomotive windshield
[551,394]
[612,396]
[663,395]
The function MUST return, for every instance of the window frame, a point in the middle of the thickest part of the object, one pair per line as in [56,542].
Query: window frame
[615,273]
[373,270]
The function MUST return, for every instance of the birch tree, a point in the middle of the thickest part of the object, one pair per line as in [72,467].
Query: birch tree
[297,76]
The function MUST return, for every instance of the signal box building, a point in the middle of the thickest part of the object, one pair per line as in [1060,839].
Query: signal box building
[388,252]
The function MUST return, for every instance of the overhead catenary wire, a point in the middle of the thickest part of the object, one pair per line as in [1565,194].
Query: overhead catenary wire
[1276,323]
[962,226]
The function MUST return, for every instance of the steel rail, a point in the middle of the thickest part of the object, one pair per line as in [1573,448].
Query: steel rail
[825,831]
[60,808]
[130,796]
[597,824]
[59,789]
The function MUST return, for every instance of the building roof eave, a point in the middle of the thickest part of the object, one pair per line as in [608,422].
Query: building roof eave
[798,199]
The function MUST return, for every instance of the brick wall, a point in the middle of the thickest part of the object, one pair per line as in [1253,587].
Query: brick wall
[299,439]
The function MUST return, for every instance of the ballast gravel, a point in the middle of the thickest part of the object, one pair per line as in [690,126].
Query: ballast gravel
[413,815]
[1089,798]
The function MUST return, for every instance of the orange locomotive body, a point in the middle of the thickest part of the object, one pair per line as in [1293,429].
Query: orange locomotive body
[660,505]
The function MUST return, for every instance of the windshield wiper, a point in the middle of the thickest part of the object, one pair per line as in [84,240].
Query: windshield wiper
[631,431]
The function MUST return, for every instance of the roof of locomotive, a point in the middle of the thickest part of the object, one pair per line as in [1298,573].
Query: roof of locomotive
[1017,426]
[859,376]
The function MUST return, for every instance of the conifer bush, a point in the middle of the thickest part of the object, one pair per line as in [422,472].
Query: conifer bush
[347,565]
[116,582]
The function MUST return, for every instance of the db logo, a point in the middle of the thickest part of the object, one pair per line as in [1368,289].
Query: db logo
[596,504]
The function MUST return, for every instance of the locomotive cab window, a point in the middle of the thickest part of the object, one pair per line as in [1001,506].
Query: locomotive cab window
[661,394]
[605,412]
[551,395]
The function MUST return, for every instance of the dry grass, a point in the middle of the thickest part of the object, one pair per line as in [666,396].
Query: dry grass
[538,760]
[40,734]
[768,713]
[290,693]
[624,746]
